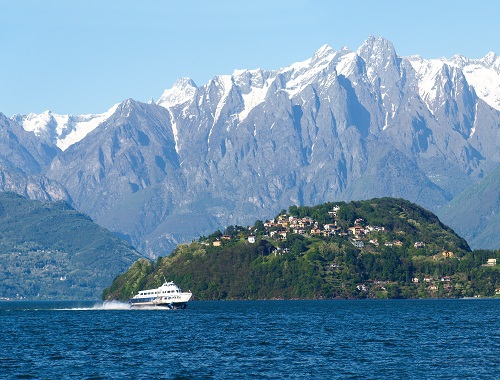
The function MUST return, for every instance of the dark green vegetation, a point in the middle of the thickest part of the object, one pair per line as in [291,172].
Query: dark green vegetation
[404,252]
[51,251]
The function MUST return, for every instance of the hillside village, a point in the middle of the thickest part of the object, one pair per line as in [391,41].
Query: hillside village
[278,229]
[364,237]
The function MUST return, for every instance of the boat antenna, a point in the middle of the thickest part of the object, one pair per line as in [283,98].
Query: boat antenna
[164,279]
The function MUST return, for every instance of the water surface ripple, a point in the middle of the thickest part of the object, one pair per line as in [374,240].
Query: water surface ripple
[400,339]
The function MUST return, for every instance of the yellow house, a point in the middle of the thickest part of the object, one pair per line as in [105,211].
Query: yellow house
[447,254]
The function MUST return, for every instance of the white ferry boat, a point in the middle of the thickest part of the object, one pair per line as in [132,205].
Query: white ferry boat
[168,295]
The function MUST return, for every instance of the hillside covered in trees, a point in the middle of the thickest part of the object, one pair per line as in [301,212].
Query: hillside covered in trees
[379,248]
[51,251]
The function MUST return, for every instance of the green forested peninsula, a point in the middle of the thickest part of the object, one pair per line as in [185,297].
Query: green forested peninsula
[379,248]
[51,251]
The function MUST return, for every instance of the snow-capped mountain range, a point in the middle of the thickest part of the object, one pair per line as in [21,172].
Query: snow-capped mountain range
[482,74]
[341,125]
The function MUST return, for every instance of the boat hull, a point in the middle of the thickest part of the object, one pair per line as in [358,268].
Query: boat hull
[146,305]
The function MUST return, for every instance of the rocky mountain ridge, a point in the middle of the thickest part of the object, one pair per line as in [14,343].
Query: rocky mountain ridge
[339,126]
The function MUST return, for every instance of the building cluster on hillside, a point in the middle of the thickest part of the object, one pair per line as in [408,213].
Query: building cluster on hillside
[358,234]
[299,226]
[431,284]
[285,224]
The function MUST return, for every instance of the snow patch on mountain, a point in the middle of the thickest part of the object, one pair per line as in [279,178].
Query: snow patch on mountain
[482,74]
[428,78]
[63,130]
[473,129]
[485,83]
[303,73]
[83,126]
[183,90]
[253,99]
[256,96]
[175,130]
[225,84]
[346,64]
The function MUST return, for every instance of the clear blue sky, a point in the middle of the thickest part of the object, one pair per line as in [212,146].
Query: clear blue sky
[75,57]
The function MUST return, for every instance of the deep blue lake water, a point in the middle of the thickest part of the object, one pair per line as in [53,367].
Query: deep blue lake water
[398,339]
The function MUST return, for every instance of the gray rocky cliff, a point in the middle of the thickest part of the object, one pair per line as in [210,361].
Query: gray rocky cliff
[24,160]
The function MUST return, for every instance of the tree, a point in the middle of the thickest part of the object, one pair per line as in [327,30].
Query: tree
[259,227]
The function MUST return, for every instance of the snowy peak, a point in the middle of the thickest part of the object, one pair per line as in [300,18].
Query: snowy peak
[41,124]
[253,86]
[321,66]
[491,60]
[62,130]
[349,63]
[482,74]
[459,60]
[378,52]
[435,82]
[182,91]
[247,80]
[375,63]
[320,60]
[323,55]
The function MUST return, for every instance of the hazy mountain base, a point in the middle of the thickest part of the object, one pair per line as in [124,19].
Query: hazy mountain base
[325,267]
[476,212]
[51,251]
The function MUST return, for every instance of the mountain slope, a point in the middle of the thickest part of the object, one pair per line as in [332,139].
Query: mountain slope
[23,162]
[49,250]
[476,212]
[123,172]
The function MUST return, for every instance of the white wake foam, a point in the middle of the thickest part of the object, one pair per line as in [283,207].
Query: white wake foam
[106,305]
